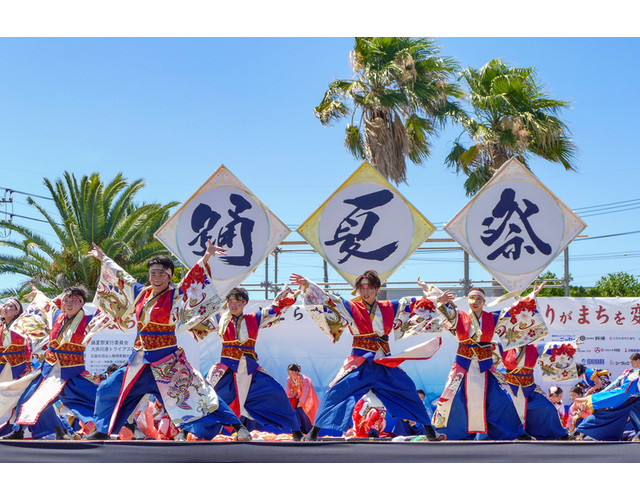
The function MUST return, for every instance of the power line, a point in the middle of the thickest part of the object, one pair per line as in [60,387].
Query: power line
[28,194]
[606,236]
[604,205]
[11,216]
[608,208]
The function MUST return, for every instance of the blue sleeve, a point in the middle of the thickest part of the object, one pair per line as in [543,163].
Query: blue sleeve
[614,397]
[137,287]
[496,317]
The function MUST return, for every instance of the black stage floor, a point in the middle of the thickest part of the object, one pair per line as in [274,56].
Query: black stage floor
[323,451]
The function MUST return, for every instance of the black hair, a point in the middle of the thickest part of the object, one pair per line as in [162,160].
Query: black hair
[293,367]
[581,369]
[635,356]
[164,260]
[577,389]
[555,390]
[237,294]
[370,275]
[78,291]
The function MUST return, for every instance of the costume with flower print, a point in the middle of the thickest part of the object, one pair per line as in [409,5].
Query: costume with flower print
[538,415]
[251,392]
[158,365]
[367,368]
[473,401]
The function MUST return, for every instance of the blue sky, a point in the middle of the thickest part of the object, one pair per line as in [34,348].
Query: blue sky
[172,110]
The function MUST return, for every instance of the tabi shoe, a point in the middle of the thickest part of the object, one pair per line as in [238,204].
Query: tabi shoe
[432,435]
[312,435]
[181,436]
[138,435]
[61,434]
[243,434]
[97,436]
[576,436]
[19,434]
[297,435]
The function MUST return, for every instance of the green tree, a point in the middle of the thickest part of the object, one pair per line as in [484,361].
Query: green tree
[619,284]
[552,279]
[401,95]
[87,211]
[511,115]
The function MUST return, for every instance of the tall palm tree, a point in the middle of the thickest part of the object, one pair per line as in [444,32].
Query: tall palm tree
[87,211]
[512,115]
[401,95]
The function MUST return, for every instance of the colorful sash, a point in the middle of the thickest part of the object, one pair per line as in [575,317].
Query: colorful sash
[366,339]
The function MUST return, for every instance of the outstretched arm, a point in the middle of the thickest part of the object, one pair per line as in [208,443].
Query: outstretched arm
[96,252]
[326,310]
[538,288]
[299,280]
[212,250]
[430,290]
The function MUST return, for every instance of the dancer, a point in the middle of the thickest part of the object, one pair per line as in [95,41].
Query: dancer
[238,379]
[370,322]
[158,366]
[538,415]
[577,412]
[595,380]
[63,376]
[473,401]
[555,397]
[614,407]
[16,373]
[303,396]
[369,418]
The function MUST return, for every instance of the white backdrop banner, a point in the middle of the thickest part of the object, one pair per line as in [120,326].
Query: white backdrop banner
[607,329]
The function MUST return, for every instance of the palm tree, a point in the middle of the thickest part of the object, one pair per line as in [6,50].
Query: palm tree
[512,116]
[87,211]
[401,96]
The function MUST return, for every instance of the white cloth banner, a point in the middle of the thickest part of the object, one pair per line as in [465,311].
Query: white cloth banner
[607,330]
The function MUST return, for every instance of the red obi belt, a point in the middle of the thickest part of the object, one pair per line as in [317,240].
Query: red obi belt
[235,350]
[482,350]
[68,354]
[370,342]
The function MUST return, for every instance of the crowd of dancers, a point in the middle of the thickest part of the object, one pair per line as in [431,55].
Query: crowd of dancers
[45,389]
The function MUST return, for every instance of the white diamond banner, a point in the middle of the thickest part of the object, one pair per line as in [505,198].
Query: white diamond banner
[366,224]
[514,227]
[225,211]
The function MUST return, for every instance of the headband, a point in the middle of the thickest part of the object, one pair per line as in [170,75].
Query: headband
[15,303]
[478,292]
[364,281]
[160,267]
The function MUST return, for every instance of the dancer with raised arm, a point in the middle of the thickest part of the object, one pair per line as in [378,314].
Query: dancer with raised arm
[370,366]
[473,401]
[238,379]
[63,376]
[158,365]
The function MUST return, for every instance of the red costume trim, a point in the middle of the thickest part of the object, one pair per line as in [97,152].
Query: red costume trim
[369,340]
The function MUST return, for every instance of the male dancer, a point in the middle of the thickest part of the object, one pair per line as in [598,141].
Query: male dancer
[238,379]
[370,321]
[157,365]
